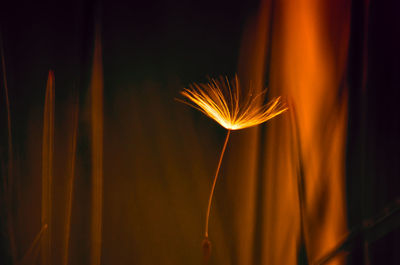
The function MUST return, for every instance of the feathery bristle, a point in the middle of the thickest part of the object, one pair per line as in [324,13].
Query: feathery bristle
[223,101]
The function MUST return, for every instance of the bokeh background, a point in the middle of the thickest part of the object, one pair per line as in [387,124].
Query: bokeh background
[101,165]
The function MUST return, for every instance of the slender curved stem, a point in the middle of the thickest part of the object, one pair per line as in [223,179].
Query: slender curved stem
[215,181]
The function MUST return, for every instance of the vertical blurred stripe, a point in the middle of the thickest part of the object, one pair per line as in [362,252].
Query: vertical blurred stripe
[70,180]
[243,150]
[8,182]
[280,208]
[308,64]
[47,170]
[96,96]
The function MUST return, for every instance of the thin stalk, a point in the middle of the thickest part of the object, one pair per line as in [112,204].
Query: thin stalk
[215,181]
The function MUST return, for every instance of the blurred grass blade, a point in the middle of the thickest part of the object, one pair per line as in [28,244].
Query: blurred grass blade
[71,180]
[31,253]
[47,168]
[96,93]
[10,152]
[7,184]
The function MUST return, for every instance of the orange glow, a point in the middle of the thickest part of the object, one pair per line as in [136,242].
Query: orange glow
[47,170]
[96,89]
[308,66]
[224,102]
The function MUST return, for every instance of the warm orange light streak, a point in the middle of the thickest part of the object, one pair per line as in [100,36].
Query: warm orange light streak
[96,93]
[244,159]
[47,170]
[308,65]
[222,101]
[71,181]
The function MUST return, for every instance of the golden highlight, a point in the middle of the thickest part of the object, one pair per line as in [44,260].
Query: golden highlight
[221,100]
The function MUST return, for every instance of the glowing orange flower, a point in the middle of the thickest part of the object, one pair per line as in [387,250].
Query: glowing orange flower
[223,101]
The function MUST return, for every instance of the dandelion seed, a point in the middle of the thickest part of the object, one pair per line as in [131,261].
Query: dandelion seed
[233,108]
[224,101]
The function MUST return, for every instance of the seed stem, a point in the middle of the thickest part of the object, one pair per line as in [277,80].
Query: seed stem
[215,181]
